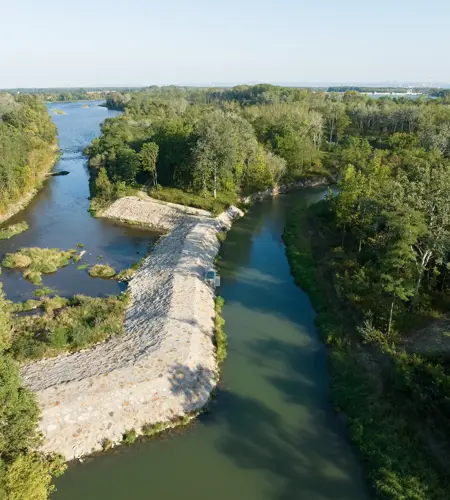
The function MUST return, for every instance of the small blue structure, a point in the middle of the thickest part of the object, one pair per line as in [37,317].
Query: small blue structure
[212,278]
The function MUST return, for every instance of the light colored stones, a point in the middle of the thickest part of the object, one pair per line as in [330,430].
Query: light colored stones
[164,366]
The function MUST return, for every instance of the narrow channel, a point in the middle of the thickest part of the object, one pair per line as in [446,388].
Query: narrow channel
[271,433]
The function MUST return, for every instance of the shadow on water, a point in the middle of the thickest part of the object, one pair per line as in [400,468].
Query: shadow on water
[309,461]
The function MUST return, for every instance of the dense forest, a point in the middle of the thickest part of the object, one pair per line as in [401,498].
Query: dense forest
[236,141]
[380,246]
[27,146]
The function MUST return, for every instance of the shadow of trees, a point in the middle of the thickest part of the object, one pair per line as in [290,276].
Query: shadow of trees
[306,460]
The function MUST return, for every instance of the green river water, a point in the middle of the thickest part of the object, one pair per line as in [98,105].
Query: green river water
[271,433]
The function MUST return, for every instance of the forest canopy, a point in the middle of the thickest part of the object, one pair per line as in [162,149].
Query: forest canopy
[244,139]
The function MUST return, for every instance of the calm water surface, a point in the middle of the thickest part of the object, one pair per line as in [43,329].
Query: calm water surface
[271,434]
[58,216]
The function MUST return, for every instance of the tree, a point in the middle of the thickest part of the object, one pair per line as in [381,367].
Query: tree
[147,157]
[215,153]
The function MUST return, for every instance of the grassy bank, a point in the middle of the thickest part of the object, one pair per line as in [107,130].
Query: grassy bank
[189,199]
[66,325]
[396,462]
[13,230]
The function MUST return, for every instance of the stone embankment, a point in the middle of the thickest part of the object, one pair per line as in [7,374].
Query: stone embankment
[286,188]
[164,366]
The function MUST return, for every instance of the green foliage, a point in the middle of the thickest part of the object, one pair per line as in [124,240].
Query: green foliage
[219,334]
[189,199]
[38,260]
[67,325]
[129,436]
[13,230]
[27,138]
[151,430]
[34,277]
[106,444]
[101,271]
[41,292]
[5,322]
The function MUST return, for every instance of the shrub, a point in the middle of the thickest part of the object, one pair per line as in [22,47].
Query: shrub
[34,277]
[42,260]
[221,236]
[101,271]
[220,335]
[28,305]
[125,274]
[107,444]
[45,290]
[13,230]
[151,430]
[129,436]
[16,260]
[80,322]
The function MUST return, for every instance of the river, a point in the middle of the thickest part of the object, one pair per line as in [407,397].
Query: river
[58,215]
[271,433]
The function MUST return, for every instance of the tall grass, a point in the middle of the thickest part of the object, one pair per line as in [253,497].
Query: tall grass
[67,325]
[214,205]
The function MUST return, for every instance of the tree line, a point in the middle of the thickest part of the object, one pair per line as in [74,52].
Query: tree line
[27,146]
[248,138]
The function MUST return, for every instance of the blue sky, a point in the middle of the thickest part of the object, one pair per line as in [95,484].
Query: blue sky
[49,43]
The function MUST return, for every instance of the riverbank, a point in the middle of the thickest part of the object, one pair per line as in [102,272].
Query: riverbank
[390,441]
[26,198]
[164,367]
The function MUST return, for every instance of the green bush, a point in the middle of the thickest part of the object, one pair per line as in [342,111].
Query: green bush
[106,444]
[101,271]
[79,323]
[151,430]
[34,277]
[38,260]
[45,290]
[129,436]
[219,335]
[13,230]
[189,199]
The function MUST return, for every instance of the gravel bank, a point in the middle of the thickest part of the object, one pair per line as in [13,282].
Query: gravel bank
[164,366]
